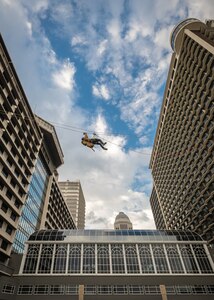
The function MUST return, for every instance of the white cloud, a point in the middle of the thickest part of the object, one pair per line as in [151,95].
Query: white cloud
[78,40]
[64,77]
[101,91]
[102,47]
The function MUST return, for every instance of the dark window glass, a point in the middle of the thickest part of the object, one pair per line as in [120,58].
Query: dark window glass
[9,229]
[4,207]
[103,262]
[74,259]
[4,245]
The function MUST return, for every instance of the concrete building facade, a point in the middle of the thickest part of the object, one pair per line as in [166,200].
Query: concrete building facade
[74,197]
[30,154]
[182,160]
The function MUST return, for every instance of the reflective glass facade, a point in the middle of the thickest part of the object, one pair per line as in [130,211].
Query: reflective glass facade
[31,212]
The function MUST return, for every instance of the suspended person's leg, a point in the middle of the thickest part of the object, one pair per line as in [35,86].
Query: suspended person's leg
[102,147]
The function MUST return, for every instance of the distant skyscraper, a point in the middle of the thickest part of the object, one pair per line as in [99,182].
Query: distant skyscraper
[182,160]
[73,194]
[122,221]
[30,154]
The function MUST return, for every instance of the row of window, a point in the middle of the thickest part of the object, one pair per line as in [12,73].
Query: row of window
[58,214]
[12,93]
[116,258]
[107,289]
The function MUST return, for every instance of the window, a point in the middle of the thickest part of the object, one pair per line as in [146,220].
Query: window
[25,290]
[4,172]
[8,289]
[198,289]
[160,259]
[72,290]
[9,229]
[89,289]
[131,259]
[117,259]
[89,259]
[31,259]
[17,203]
[136,289]
[41,289]
[13,216]
[57,289]
[202,259]
[183,289]
[174,259]
[9,194]
[120,289]
[103,262]
[74,258]
[104,289]
[13,183]
[60,259]
[46,259]
[4,207]
[146,259]
[152,289]
[188,259]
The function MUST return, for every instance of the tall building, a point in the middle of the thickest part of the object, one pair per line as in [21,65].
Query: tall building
[122,221]
[182,160]
[112,264]
[30,154]
[74,197]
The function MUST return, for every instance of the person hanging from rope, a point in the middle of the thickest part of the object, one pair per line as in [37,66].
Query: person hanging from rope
[90,142]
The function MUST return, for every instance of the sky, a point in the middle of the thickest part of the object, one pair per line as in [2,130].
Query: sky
[99,66]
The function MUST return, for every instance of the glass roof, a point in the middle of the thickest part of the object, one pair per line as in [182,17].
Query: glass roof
[80,235]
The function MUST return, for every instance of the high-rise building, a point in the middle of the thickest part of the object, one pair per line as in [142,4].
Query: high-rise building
[30,153]
[182,160]
[74,197]
[122,221]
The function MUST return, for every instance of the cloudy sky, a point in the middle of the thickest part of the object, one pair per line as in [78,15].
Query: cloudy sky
[99,66]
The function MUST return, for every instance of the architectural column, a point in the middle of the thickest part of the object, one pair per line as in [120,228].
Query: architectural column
[39,256]
[67,259]
[110,260]
[138,258]
[181,258]
[163,292]
[81,292]
[23,259]
[153,260]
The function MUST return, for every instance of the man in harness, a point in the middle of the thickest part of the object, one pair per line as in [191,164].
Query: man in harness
[86,141]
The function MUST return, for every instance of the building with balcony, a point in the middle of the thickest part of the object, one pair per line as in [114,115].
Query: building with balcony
[30,154]
[182,160]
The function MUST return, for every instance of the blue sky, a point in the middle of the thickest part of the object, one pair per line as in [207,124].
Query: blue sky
[99,65]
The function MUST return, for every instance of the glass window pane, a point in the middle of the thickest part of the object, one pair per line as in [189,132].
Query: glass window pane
[117,258]
[146,259]
[160,259]
[74,260]
[103,261]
